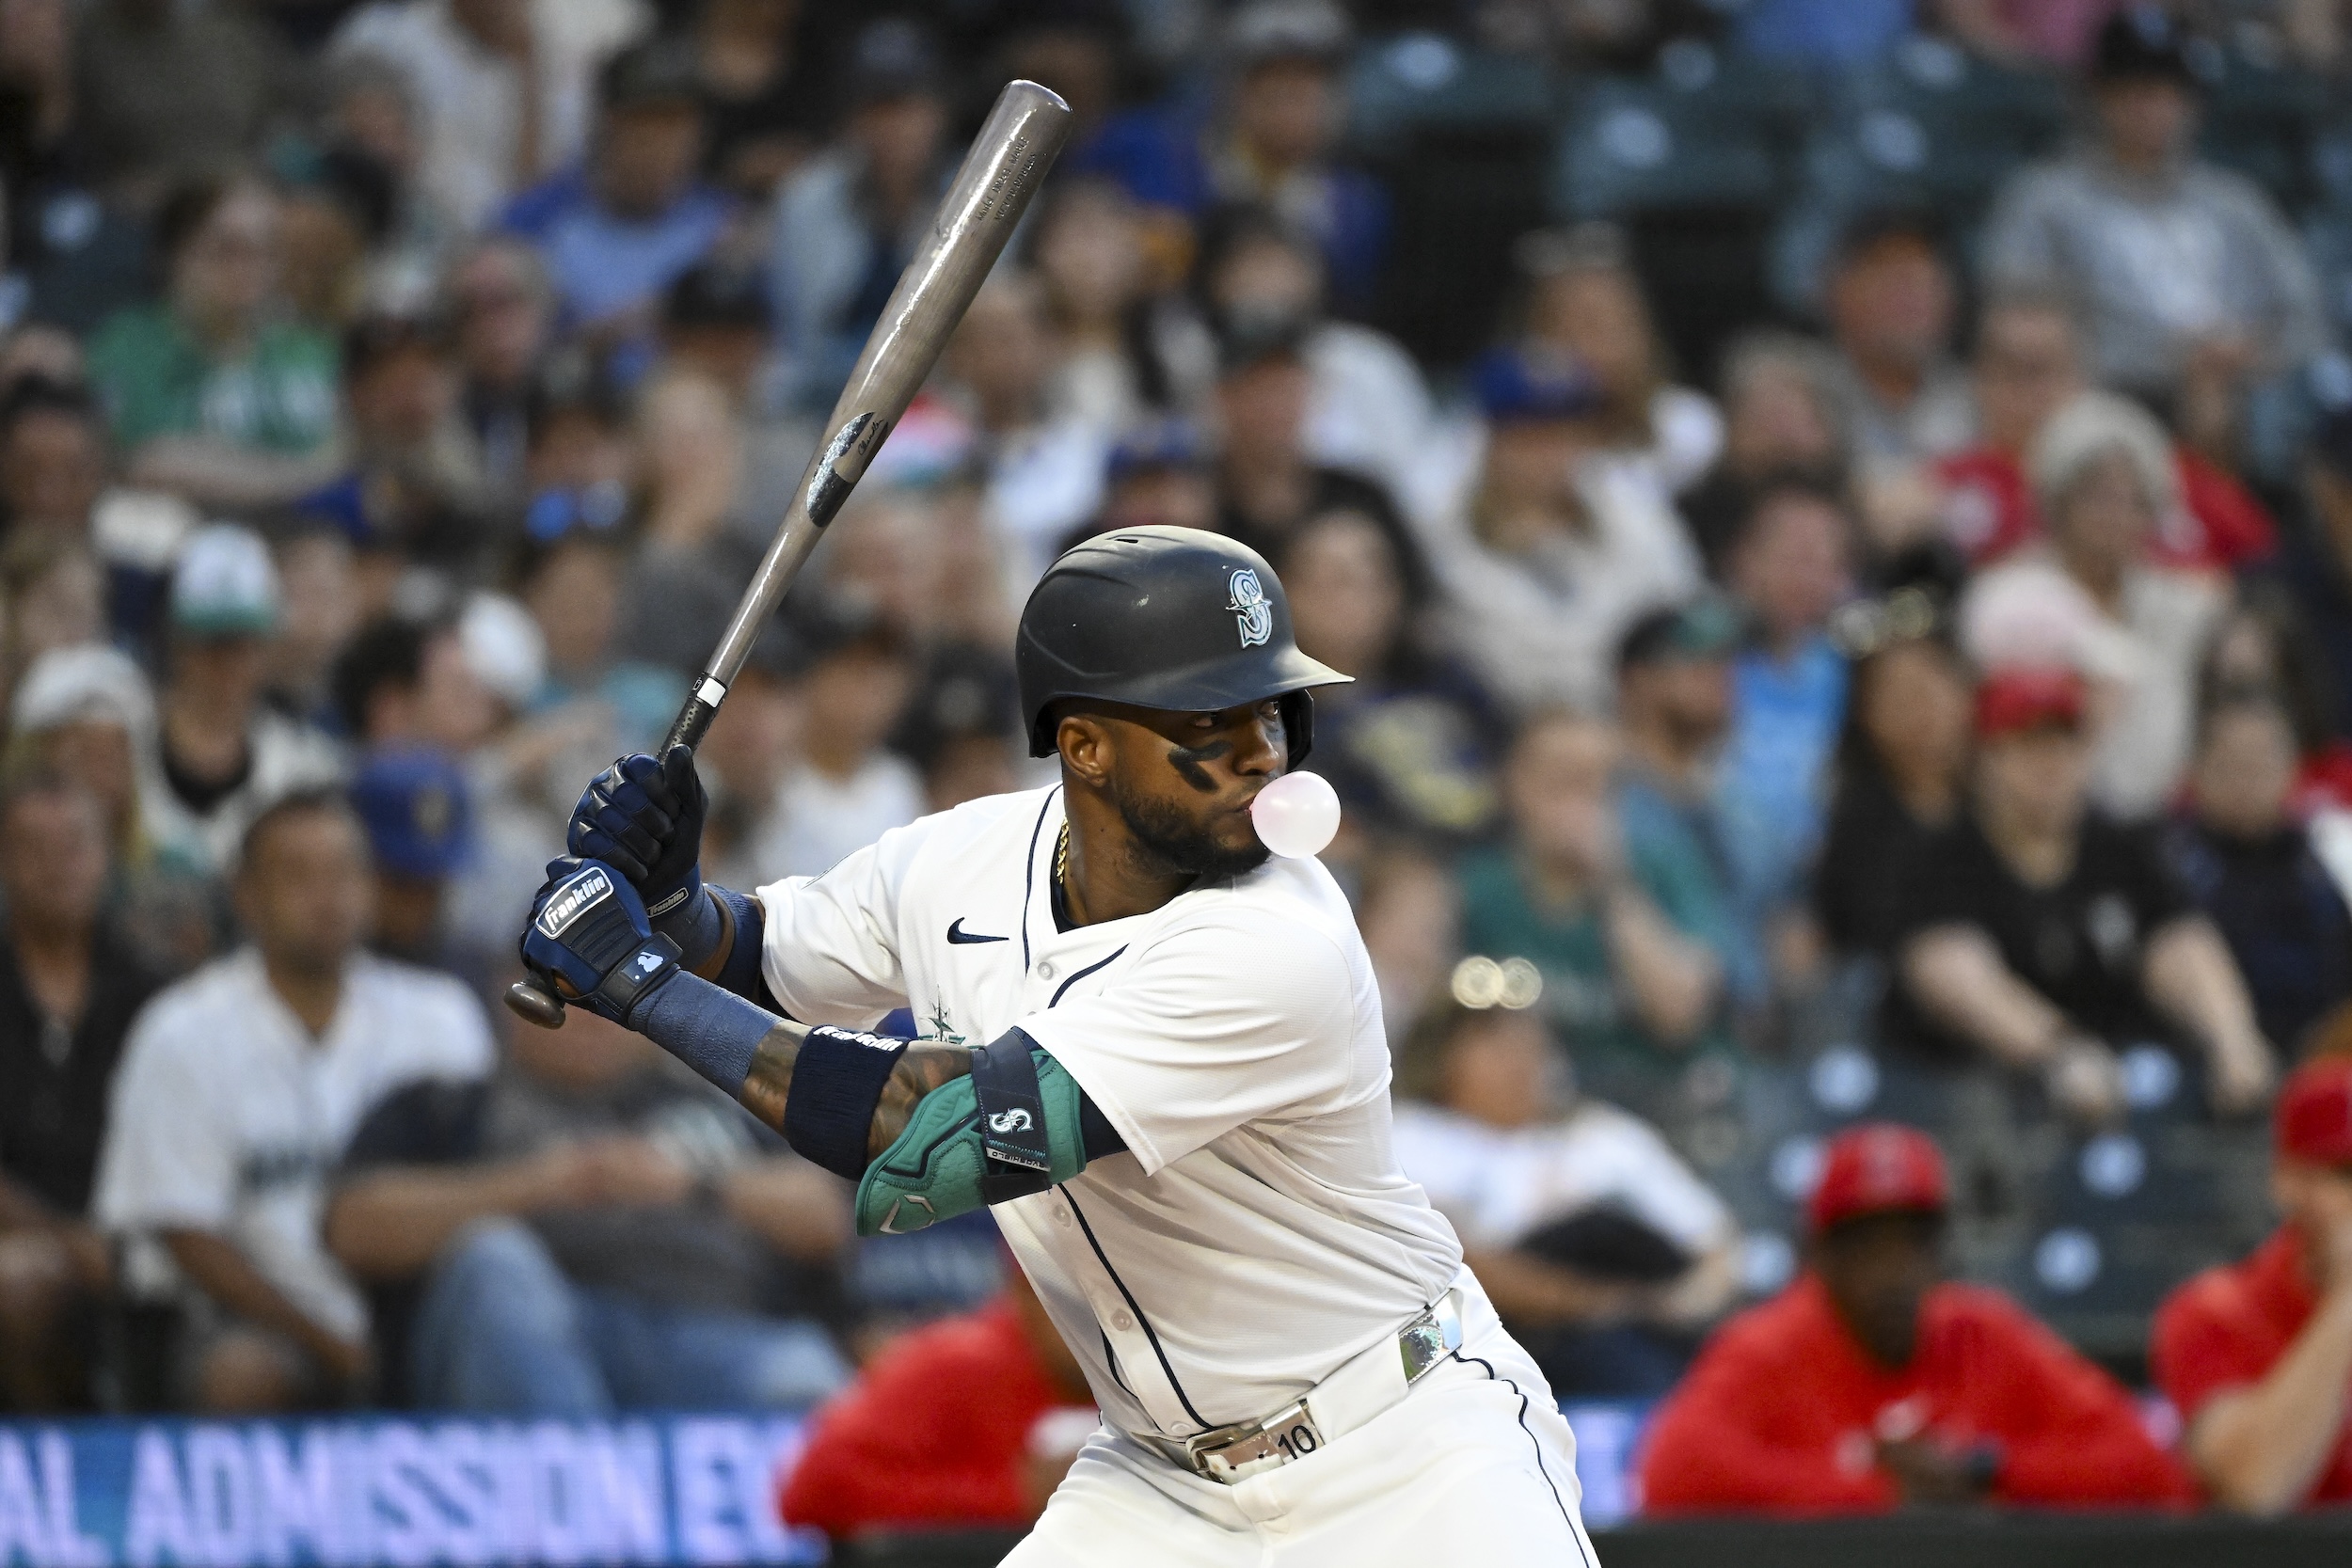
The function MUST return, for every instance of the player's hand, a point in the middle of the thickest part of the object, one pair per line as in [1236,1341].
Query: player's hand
[590,940]
[643,817]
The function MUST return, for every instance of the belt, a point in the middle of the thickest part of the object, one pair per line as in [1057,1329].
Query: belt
[1363,1387]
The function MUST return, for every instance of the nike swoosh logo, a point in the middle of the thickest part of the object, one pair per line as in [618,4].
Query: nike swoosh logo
[958,935]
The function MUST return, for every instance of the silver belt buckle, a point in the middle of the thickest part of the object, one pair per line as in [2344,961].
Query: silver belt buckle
[1430,1338]
[1288,1434]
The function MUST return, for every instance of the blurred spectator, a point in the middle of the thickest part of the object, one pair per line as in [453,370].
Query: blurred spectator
[2040,932]
[843,789]
[1157,473]
[2093,599]
[504,310]
[1827,33]
[162,90]
[221,755]
[1586,303]
[988,1408]
[1122,352]
[1411,744]
[420,824]
[85,714]
[1890,300]
[2030,33]
[1045,468]
[1619,926]
[2314,564]
[70,985]
[1869,1386]
[619,228]
[2027,369]
[1901,771]
[962,730]
[1674,708]
[850,221]
[681,586]
[2192,279]
[1602,1250]
[761,89]
[1367,408]
[2250,865]
[1269,481]
[238,1089]
[504,87]
[1550,556]
[52,595]
[414,485]
[402,684]
[2257,1356]
[572,588]
[1270,144]
[53,457]
[1789,568]
[369,175]
[1783,418]
[211,393]
[321,584]
[1409,905]
[587,1229]
[334,213]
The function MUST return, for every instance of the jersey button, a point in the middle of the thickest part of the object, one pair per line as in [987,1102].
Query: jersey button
[1046,970]
[1061,1217]
[1122,1322]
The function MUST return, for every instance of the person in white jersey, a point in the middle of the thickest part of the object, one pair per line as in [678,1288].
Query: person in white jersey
[1153,1051]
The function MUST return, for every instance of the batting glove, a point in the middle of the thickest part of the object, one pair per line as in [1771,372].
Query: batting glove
[588,929]
[644,817]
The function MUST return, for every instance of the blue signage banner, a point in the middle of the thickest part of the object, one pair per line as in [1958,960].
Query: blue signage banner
[384,1491]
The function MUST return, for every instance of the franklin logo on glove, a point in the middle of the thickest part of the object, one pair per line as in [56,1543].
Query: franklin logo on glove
[590,888]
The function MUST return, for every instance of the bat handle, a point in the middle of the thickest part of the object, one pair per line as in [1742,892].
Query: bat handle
[534,1004]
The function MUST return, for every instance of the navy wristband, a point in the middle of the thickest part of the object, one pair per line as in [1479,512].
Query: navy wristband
[740,973]
[695,926]
[712,1031]
[837,1080]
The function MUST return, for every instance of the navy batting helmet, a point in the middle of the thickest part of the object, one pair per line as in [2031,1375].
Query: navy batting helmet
[1169,618]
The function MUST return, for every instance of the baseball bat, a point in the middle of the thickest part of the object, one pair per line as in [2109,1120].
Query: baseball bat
[1002,171]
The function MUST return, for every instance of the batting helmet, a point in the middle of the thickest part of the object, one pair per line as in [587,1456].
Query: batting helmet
[1169,618]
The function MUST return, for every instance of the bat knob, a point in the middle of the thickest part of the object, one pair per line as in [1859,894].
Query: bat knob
[533,1005]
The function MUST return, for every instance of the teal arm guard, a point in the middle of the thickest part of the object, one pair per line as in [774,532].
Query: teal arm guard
[940,1167]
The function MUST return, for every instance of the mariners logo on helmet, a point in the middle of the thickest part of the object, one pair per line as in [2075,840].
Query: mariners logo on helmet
[1251,613]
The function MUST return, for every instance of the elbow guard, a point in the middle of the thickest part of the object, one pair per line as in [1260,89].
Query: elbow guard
[1019,1124]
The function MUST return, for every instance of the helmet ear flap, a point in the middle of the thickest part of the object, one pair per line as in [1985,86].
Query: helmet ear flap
[1298,725]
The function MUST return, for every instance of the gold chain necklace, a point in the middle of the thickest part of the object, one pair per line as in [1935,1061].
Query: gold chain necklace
[1061,859]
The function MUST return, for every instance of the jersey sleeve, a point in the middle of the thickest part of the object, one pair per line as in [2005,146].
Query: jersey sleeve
[2199,1349]
[1213,1027]
[828,944]
[168,1161]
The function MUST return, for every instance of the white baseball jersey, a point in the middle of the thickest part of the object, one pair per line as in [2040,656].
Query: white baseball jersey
[228,1116]
[1258,1232]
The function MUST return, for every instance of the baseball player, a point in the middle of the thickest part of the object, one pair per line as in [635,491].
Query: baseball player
[1154,1051]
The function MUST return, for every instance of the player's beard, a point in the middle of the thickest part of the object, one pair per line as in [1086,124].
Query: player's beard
[1167,840]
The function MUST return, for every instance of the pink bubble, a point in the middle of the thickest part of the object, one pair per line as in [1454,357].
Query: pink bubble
[1297,814]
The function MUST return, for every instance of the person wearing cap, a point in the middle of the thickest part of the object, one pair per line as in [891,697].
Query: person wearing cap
[1548,556]
[2094,597]
[502,314]
[849,222]
[1624,929]
[1271,143]
[1890,299]
[415,806]
[2257,1356]
[506,88]
[2191,279]
[1158,472]
[2041,935]
[619,228]
[71,979]
[1603,1249]
[1586,303]
[1269,479]
[1869,1385]
[222,754]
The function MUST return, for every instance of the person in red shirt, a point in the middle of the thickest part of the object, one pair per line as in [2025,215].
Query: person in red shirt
[1868,1384]
[967,1422]
[2258,1354]
[2027,366]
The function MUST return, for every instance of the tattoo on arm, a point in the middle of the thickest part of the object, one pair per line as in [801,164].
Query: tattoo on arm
[924,1065]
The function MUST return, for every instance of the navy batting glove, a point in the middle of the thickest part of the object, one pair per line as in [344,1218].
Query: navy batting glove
[588,929]
[644,818]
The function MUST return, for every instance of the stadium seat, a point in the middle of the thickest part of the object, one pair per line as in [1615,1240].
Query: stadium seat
[1418,85]
[2262,117]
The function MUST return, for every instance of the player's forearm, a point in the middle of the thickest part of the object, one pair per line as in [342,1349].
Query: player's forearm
[922,1067]
[2259,1448]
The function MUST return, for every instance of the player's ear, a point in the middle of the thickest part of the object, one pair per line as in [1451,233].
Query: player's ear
[1085,744]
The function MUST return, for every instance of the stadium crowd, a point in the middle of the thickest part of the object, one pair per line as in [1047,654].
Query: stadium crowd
[1839,513]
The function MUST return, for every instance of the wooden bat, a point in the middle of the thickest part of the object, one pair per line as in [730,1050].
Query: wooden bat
[1006,163]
